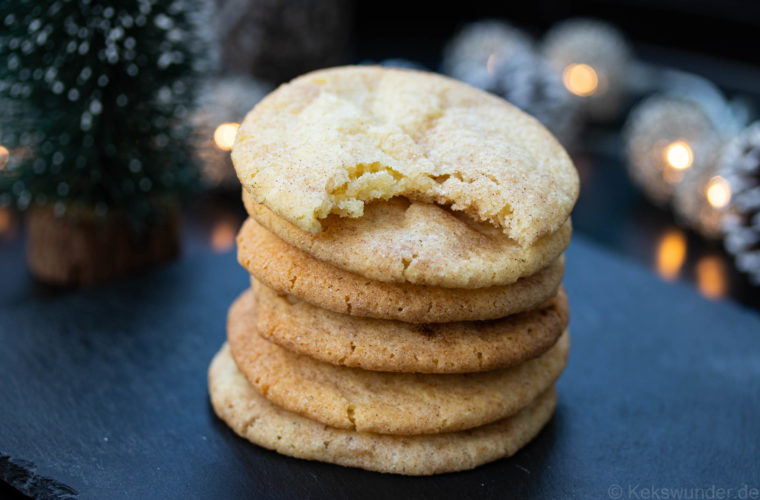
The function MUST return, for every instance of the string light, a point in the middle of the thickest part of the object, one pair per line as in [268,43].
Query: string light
[5,156]
[671,253]
[223,236]
[594,60]
[711,277]
[679,155]
[718,192]
[224,135]
[580,79]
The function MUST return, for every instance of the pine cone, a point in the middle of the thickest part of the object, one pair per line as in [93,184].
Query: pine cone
[740,166]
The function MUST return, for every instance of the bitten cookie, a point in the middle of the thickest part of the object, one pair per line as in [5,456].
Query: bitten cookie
[261,422]
[390,403]
[332,140]
[419,243]
[292,271]
[394,346]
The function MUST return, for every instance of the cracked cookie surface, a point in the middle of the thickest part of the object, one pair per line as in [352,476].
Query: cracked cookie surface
[394,346]
[265,424]
[419,243]
[332,140]
[292,271]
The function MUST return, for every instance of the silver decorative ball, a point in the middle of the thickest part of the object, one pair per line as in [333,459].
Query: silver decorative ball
[667,141]
[472,53]
[223,102]
[496,57]
[528,82]
[593,58]
[692,204]
[729,117]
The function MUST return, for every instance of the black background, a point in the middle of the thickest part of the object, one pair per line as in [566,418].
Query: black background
[722,28]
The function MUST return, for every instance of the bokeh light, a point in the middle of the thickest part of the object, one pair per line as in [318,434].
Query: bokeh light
[679,155]
[712,279]
[5,220]
[580,79]
[223,236]
[5,156]
[718,192]
[224,135]
[671,254]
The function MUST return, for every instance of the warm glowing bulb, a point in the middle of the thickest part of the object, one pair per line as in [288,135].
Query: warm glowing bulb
[5,155]
[580,79]
[671,253]
[223,236]
[712,278]
[224,135]
[679,155]
[718,192]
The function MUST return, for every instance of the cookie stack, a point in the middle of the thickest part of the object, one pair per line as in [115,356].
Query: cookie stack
[405,245]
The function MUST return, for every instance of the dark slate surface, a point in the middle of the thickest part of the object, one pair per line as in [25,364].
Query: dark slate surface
[103,395]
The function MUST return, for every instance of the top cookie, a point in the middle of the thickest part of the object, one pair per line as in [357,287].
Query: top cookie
[331,140]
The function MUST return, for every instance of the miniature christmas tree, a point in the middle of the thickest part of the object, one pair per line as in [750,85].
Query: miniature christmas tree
[94,99]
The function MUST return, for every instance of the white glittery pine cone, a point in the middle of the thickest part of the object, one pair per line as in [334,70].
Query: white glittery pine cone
[225,99]
[656,125]
[600,46]
[740,166]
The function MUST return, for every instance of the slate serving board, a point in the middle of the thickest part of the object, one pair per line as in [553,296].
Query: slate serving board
[103,395]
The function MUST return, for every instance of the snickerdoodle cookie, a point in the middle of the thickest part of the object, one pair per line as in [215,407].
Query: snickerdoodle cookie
[395,346]
[332,140]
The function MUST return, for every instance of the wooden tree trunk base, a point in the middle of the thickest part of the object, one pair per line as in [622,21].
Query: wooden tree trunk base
[82,249]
